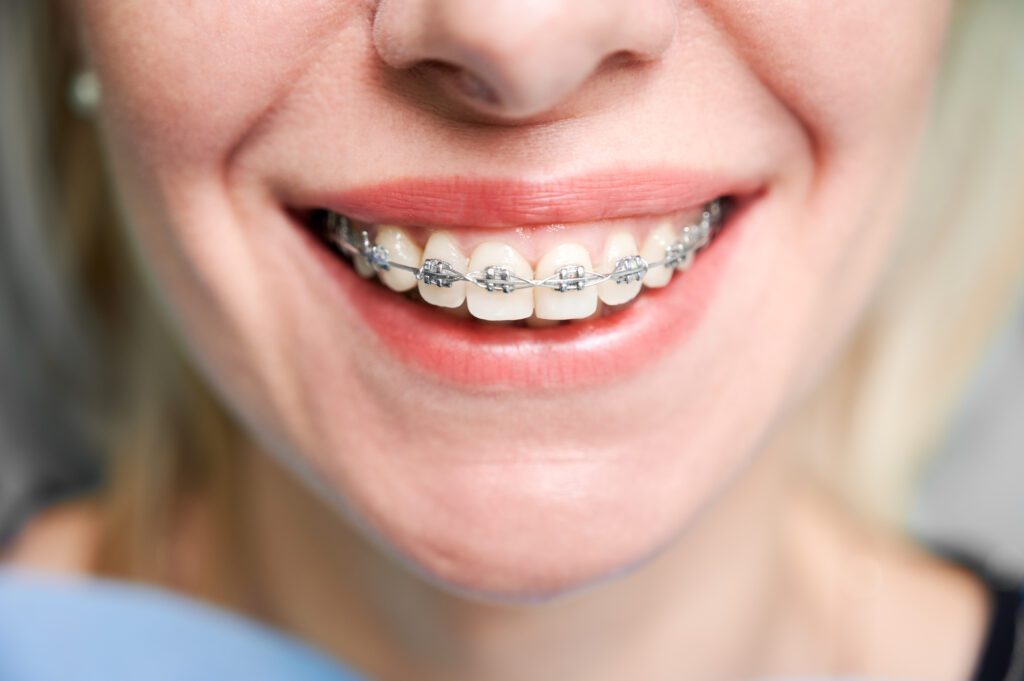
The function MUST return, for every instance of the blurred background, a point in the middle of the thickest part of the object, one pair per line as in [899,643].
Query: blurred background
[972,489]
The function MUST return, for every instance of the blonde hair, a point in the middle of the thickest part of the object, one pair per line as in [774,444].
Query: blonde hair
[955,275]
[867,427]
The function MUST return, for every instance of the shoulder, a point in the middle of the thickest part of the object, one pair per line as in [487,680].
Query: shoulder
[973,618]
[1002,656]
[61,539]
[928,615]
[884,605]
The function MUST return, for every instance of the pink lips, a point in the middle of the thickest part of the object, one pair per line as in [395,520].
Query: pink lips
[468,353]
[486,202]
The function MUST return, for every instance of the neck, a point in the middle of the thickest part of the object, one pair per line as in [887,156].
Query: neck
[713,593]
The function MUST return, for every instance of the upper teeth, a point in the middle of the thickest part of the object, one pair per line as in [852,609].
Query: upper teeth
[499,284]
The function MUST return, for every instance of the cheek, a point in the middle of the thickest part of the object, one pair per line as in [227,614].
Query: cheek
[858,76]
[185,80]
[845,69]
[183,83]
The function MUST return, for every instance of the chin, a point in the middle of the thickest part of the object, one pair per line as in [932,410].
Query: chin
[524,533]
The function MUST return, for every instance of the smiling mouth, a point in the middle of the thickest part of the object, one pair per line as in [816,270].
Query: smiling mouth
[494,282]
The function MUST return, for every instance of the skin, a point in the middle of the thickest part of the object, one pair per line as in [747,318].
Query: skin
[385,528]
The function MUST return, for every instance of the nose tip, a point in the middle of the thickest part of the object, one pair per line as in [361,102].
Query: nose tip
[518,58]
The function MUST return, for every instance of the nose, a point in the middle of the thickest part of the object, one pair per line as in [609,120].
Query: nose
[519,58]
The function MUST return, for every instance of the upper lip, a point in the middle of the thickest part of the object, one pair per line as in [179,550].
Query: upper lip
[495,202]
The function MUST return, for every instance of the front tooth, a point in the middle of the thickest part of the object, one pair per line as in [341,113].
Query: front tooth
[619,245]
[654,249]
[442,246]
[568,304]
[497,305]
[403,250]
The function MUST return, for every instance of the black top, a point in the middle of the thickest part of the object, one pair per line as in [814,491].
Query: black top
[1003,653]
[1001,657]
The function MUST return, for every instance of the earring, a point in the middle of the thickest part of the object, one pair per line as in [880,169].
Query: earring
[84,93]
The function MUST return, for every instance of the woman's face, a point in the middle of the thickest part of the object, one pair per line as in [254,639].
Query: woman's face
[520,457]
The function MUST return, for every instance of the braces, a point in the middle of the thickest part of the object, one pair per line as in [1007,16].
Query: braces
[678,255]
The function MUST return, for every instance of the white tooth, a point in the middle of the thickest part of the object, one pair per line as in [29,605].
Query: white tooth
[619,245]
[403,250]
[442,246]
[497,305]
[363,267]
[654,249]
[570,304]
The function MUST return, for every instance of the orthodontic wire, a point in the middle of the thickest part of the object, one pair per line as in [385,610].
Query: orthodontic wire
[339,231]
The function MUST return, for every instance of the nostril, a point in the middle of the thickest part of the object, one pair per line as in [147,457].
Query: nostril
[474,87]
[622,60]
[462,81]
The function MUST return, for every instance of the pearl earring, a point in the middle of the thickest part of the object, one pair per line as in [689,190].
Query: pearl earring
[84,93]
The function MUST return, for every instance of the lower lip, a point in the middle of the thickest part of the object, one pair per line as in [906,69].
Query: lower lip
[466,353]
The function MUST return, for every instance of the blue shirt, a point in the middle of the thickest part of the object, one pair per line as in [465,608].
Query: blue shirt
[85,629]
[82,629]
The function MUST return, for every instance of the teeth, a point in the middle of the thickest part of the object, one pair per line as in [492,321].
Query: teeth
[442,246]
[657,241]
[619,245]
[502,282]
[497,305]
[402,250]
[363,267]
[568,304]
